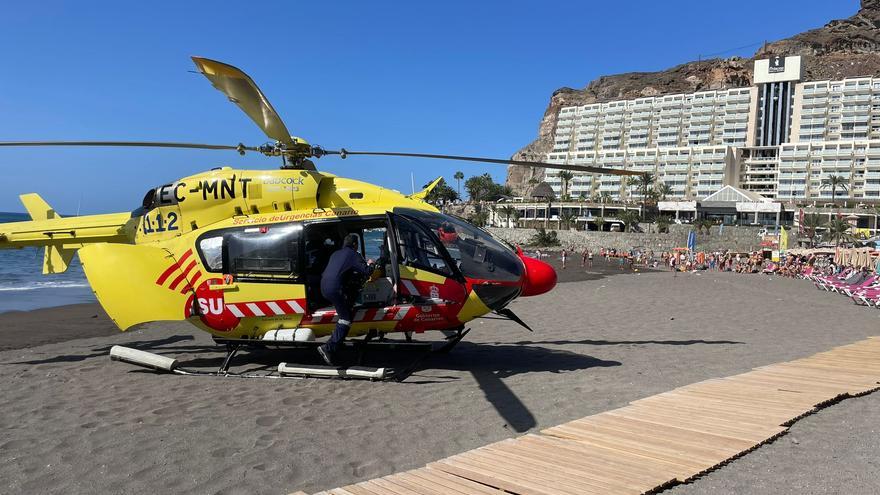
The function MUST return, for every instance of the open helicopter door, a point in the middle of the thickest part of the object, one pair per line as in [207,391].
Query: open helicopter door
[426,276]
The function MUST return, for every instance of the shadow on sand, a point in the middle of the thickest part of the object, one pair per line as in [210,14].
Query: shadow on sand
[103,351]
[490,365]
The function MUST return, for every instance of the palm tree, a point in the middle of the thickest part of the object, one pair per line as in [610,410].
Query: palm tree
[459,176]
[600,223]
[838,231]
[664,189]
[568,217]
[663,224]
[566,177]
[632,182]
[835,182]
[701,224]
[508,212]
[543,238]
[645,181]
[810,225]
[630,219]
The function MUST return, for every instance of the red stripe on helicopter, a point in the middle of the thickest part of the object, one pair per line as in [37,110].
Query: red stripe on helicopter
[174,267]
[192,283]
[183,275]
[394,313]
[267,308]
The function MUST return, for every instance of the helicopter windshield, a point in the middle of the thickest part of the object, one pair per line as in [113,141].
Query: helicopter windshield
[478,255]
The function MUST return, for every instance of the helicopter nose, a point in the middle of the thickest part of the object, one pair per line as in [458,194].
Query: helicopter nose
[539,278]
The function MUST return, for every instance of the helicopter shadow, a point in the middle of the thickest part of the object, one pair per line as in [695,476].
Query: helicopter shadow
[489,363]
[159,346]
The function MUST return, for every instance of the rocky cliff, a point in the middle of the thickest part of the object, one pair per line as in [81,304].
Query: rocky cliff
[842,48]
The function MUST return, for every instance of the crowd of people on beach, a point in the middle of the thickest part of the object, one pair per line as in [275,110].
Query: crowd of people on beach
[681,260]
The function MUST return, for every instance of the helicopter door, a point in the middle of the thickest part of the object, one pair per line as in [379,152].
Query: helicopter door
[258,275]
[426,274]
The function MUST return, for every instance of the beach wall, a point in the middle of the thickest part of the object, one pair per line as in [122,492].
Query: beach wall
[740,239]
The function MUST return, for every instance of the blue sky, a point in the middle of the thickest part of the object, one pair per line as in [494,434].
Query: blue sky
[448,77]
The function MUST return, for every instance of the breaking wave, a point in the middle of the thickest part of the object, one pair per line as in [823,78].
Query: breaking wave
[43,285]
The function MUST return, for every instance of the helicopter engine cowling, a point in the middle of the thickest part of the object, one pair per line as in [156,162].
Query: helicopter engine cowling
[539,278]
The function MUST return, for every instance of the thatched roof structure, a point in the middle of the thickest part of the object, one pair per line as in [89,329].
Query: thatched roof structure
[543,192]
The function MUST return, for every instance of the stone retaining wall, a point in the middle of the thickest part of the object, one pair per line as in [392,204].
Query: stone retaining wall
[739,239]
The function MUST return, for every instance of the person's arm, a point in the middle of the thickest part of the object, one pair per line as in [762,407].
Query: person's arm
[358,263]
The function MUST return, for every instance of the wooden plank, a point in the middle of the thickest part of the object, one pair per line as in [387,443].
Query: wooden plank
[827,379]
[393,488]
[358,489]
[585,463]
[343,491]
[816,390]
[717,398]
[551,478]
[519,483]
[846,373]
[574,479]
[746,416]
[711,443]
[686,461]
[454,484]
[614,467]
[762,390]
[704,457]
[442,486]
[420,487]
[696,424]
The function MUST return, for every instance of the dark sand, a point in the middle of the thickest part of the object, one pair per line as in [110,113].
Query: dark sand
[20,329]
[72,421]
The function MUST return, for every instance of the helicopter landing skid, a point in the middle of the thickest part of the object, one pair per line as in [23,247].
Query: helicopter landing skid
[292,370]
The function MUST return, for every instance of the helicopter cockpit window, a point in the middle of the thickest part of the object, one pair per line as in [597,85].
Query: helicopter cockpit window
[477,253]
[417,249]
[263,252]
[212,252]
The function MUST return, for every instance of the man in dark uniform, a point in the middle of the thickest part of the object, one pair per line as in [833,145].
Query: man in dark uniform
[343,264]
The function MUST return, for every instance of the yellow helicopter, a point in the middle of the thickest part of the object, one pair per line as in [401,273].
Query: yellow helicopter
[239,253]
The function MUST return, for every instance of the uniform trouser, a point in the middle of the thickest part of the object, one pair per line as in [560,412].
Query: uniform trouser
[343,314]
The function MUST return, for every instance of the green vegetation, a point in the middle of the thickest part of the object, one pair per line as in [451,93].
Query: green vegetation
[568,218]
[663,224]
[703,224]
[838,231]
[835,182]
[508,212]
[459,176]
[441,195]
[542,238]
[484,188]
[566,177]
[630,219]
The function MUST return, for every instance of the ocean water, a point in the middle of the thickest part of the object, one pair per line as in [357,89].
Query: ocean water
[23,285]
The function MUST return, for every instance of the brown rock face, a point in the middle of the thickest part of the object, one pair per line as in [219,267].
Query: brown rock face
[840,49]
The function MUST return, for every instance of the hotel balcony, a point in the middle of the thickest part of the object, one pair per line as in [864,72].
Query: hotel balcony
[812,102]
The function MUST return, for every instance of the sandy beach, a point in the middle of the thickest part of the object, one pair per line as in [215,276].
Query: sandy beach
[75,422]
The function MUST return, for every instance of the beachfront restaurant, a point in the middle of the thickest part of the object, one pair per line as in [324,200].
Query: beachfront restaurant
[731,206]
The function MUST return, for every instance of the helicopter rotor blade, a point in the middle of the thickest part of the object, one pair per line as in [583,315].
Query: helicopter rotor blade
[241,90]
[139,144]
[562,166]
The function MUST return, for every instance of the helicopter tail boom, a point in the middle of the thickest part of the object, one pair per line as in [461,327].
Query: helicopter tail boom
[61,237]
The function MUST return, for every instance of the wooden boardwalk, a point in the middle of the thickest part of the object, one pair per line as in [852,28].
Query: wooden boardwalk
[653,442]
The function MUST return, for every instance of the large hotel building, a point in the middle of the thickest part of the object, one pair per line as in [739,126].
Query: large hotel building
[778,138]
